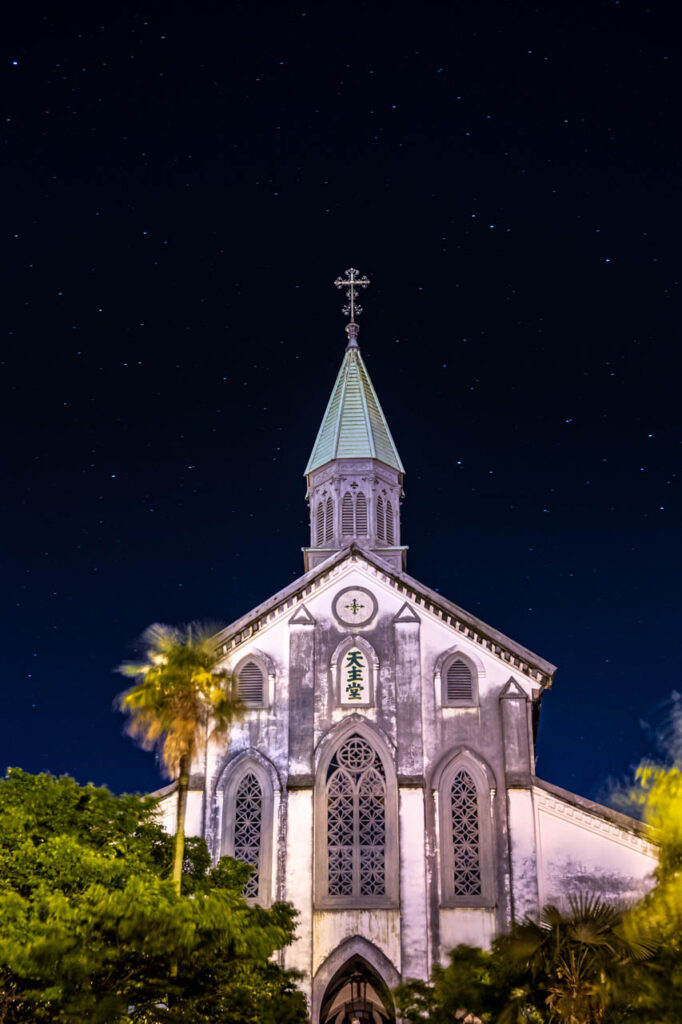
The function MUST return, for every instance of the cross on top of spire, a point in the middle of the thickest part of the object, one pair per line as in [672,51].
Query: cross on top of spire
[352,308]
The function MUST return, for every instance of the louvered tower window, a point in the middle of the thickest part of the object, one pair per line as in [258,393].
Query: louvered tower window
[329,521]
[248,820]
[389,523]
[361,515]
[347,515]
[459,683]
[381,526]
[356,821]
[465,835]
[251,684]
[319,523]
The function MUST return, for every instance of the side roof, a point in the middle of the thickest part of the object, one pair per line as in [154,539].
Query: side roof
[518,657]
[354,425]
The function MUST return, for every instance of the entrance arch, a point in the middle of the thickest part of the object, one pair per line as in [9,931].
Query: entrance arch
[353,986]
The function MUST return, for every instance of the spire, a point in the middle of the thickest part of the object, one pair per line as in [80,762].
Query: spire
[353,426]
[354,472]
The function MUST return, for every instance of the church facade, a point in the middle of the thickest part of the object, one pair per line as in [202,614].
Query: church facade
[383,777]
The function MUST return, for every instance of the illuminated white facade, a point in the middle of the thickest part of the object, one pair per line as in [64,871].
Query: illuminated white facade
[383,778]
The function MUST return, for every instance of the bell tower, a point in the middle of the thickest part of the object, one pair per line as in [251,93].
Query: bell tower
[354,473]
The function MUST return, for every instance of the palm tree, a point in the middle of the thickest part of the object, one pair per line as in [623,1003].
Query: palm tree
[181,696]
[575,959]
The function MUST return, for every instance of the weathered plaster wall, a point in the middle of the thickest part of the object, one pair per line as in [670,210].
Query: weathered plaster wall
[583,852]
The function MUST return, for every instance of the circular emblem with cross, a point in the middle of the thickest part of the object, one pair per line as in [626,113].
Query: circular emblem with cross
[354,606]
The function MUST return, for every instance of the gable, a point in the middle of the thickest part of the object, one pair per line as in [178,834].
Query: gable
[401,595]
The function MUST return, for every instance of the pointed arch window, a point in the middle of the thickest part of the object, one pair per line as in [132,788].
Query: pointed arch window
[329,520]
[319,523]
[247,829]
[459,683]
[466,835]
[361,515]
[248,825]
[251,684]
[381,523]
[357,827]
[389,523]
[347,515]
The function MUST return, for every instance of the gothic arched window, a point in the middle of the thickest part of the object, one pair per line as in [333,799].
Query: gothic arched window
[251,684]
[357,865]
[329,520]
[389,523]
[466,839]
[347,515]
[248,824]
[459,682]
[466,835]
[361,515]
[381,524]
[319,524]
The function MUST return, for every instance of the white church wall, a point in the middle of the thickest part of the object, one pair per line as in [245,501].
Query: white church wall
[524,865]
[298,882]
[380,927]
[580,852]
[415,952]
[470,926]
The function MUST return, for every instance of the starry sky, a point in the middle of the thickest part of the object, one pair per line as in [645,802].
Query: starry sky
[183,182]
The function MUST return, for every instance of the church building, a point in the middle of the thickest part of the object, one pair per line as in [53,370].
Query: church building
[383,777]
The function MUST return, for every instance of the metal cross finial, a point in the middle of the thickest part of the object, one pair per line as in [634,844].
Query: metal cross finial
[353,281]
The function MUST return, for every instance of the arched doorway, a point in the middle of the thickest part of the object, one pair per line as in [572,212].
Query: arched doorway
[357,995]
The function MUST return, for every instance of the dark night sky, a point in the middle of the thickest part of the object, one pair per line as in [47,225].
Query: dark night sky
[182,182]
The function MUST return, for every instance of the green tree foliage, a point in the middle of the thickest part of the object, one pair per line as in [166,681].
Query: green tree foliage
[657,918]
[181,696]
[91,926]
[567,967]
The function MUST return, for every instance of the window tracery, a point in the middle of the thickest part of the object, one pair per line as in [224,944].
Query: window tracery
[466,808]
[356,821]
[465,835]
[248,822]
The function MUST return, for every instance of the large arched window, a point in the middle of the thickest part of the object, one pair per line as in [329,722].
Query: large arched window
[248,827]
[466,834]
[248,823]
[356,826]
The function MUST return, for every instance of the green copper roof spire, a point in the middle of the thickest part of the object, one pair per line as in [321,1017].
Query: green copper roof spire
[353,426]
